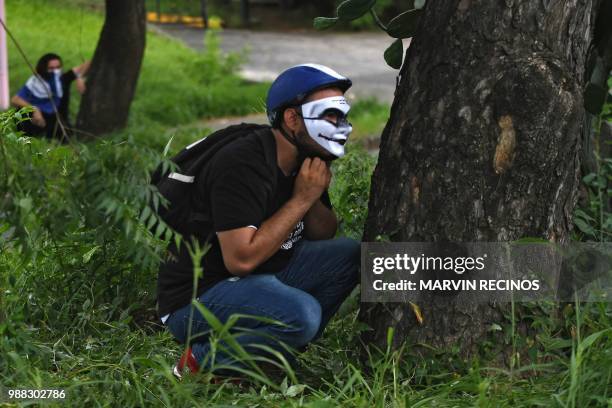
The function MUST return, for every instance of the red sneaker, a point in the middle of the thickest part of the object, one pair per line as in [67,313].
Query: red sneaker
[187,364]
[187,361]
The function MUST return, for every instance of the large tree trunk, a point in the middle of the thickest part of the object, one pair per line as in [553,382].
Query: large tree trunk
[483,143]
[115,67]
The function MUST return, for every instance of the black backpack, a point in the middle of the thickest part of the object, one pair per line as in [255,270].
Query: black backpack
[177,186]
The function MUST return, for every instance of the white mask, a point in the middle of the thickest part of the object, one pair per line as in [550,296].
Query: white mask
[332,137]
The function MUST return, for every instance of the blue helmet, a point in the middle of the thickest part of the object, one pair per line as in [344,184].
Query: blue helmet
[296,83]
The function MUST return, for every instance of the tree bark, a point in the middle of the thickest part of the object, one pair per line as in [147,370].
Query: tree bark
[483,143]
[113,76]
[204,13]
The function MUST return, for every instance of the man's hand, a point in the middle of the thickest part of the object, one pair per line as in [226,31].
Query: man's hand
[244,249]
[314,177]
[80,85]
[38,118]
[81,71]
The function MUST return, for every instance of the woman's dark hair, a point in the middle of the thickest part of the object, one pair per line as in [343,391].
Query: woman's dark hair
[41,65]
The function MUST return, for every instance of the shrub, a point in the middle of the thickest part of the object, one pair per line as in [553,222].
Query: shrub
[350,190]
[73,215]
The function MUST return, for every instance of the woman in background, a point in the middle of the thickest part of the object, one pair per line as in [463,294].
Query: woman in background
[46,92]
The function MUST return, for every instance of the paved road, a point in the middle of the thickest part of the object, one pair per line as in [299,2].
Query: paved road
[356,55]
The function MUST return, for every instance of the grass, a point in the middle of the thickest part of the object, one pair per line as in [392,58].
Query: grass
[75,300]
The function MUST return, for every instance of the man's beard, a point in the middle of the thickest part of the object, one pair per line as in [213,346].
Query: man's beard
[307,147]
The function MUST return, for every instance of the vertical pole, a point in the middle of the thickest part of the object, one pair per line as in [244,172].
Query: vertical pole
[4,82]
[245,12]
[204,13]
[158,10]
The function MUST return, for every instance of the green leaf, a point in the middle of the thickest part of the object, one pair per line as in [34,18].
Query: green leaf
[151,222]
[167,234]
[322,23]
[211,319]
[404,25]
[581,214]
[25,203]
[178,240]
[588,342]
[589,178]
[394,54]
[159,230]
[594,98]
[128,228]
[584,227]
[87,255]
[353,9]
[390,333]
[295,390]
[495,327]
[146,213]
[419,4]
[167,148]
[559,344]
[607,225]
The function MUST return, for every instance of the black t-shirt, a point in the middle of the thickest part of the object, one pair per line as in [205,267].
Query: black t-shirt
[236,187]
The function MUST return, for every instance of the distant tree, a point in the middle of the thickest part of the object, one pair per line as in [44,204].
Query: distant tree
[204,13]
[113,76]
[245,12]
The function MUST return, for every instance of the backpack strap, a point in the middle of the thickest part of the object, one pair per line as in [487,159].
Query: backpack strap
[269,144]
[190,160]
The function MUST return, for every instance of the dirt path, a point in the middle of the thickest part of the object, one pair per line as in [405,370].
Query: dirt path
[356,55]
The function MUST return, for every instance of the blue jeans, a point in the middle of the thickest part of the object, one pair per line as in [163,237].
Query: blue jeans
[303,297]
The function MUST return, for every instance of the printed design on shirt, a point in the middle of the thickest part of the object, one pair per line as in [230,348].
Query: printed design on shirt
[294,237]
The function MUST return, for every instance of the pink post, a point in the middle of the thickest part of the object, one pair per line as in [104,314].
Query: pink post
[4,79]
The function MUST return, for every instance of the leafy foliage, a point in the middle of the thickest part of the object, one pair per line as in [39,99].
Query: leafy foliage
[322,23]
[404,25]
[401,26]
[350,191]
[594,221]
[353,9]
[394,54]
[75,212]
[68,306]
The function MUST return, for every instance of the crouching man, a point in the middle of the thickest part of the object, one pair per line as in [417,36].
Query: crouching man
[272,252]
